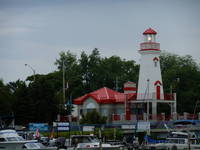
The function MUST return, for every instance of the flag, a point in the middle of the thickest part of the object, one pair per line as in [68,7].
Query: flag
[37,134]
[52,133]
[67,86]
[166,127]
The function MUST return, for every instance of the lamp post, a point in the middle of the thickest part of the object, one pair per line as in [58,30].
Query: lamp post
[147,100]
[32,70]
[63,67]
[173,107]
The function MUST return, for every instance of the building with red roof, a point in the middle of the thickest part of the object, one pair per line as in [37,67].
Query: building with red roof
[105,101]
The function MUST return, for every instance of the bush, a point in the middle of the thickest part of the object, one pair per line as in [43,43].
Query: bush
[93,118]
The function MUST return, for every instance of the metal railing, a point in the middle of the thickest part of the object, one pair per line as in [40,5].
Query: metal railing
[150,45]
[159,117]
[152,96]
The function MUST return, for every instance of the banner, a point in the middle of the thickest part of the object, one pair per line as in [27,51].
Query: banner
[40,126]
[61,126]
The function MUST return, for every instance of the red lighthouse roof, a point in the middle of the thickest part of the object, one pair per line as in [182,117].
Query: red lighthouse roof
[150,31]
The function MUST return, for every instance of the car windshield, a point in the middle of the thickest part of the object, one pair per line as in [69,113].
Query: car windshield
[15,138]
[34,145]
[94,139]
[177,141]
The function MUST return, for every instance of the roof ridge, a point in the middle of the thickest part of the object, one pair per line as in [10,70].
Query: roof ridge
[106,92]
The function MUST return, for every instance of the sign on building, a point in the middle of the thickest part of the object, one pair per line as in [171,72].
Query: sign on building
[40,126]
[61,126]
[88,128]
[128,126]
[143,125]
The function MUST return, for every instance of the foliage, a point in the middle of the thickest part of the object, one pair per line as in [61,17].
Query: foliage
[107,133]
[5,99]
[181,74]
[40,100]
[93,118]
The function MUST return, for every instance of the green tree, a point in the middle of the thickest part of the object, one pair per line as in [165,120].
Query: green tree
[43,95]
[182,74]
[6,99]
[93,118]
[72,73]
[22,106]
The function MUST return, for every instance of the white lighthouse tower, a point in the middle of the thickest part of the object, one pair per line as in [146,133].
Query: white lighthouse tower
[150,80]
[150,86]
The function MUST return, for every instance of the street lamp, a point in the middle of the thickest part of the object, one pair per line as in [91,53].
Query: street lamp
[32,70]
[63,67]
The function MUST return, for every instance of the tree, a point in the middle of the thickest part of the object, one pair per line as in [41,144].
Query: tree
[6,100]
[43,95]
[22,106]
[93,118]
[182,74]
[72,73]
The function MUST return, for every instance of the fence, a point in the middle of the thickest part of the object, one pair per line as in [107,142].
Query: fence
[159,117]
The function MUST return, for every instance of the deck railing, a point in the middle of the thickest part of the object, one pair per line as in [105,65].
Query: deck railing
[150,45]
[159,117]
[151,96]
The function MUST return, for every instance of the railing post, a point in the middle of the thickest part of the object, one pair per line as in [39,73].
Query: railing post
[199,116]
[185,114]
[163,116]
[145,116]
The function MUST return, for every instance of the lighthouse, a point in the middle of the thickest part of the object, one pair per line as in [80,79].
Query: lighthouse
[150,79]
[150,85]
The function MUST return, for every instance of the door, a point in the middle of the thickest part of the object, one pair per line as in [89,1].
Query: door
[158,92]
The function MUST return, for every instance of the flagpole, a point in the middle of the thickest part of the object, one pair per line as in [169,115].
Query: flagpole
[63,82]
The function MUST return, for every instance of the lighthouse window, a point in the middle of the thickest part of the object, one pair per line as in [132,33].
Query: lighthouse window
[155,63]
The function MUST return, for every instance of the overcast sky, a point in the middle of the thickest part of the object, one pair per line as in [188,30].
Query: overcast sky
[35,31]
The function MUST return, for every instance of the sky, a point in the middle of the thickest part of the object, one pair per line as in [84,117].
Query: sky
[34,32]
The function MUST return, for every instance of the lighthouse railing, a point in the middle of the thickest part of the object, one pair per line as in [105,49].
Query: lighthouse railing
[150,45]
[152,96]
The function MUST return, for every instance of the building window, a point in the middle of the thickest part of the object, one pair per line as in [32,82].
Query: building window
[90,110]
[90,107]
[155,63]
[104,112]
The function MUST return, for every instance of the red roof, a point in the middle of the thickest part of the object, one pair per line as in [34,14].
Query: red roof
[105,96]
[150,31]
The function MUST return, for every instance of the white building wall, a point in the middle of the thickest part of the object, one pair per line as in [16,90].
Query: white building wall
[104,109]
[149,72]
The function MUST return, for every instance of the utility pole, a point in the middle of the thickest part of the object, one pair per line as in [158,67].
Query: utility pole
[147,99]
[63,67]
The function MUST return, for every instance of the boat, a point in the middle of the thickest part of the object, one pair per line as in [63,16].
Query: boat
[177,141]
[37,146]
[89,142]
[10,140]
